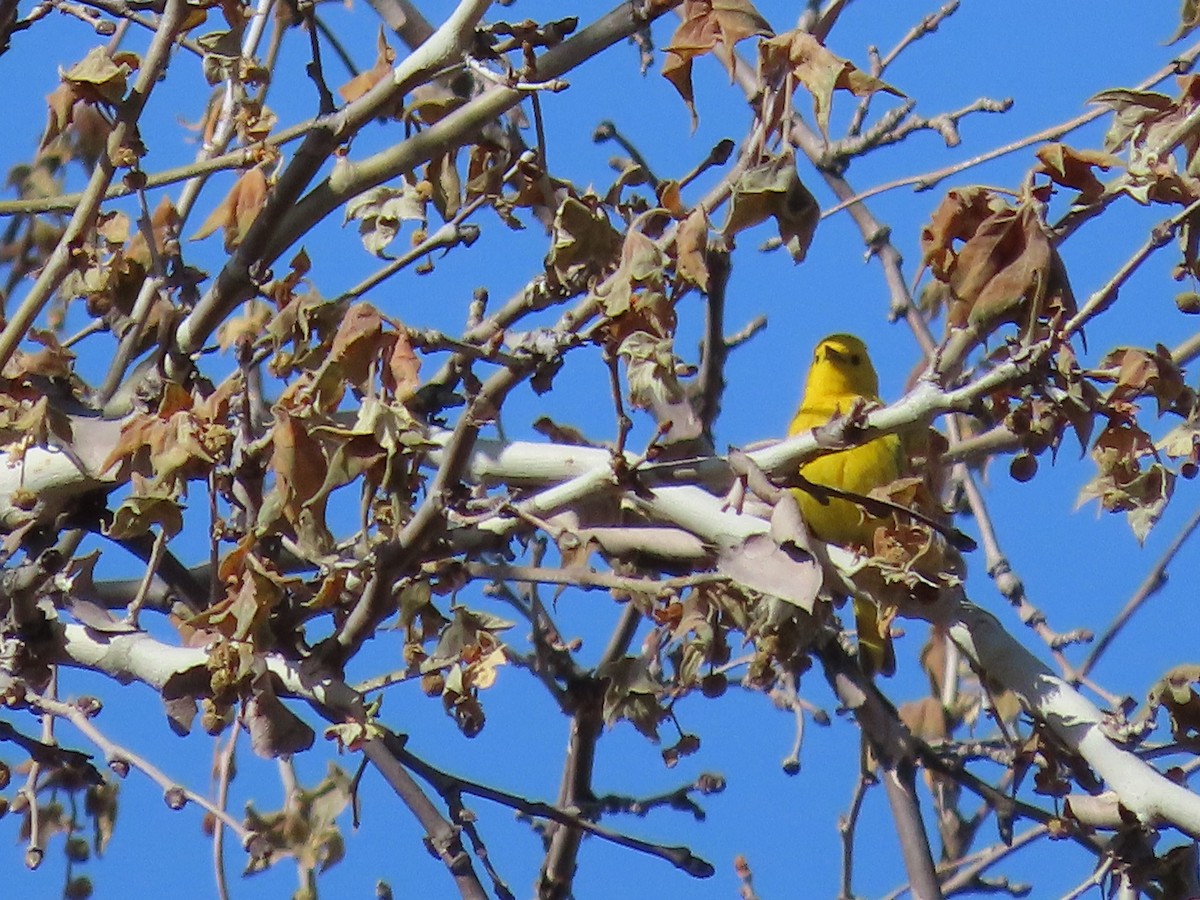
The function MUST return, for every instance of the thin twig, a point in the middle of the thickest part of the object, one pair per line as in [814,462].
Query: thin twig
[1151,584]
[175,794]
[1181,63]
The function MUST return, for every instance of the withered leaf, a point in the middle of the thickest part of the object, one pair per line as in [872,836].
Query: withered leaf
[137,515]
[1074,169]
[381,211]
[801,56]
[642,265]
[298,463]
[926,719]
[650,370]
[691,249]
[446,186]
[470,647]
[773,189]
[306,828]
[1189,18]
[708,25]
[95,617]
[776,564]
[358,340]
[1007,269]
[632,694]
[164,224]
[245,328]
[583,240]
[957,218]
[237,212]
[100,77]
[402,372]
[1140,372]
[364,81]
[1134,109]
[52,361]
[242,613]
[275,730]
[1175,693]
[561,434]
[1189,244]
[1121,483]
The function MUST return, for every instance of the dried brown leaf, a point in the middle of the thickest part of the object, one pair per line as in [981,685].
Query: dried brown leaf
[1074,169]
[707,25]
[799,55]
[691,249]
[364,81]
[238,210]
[773,190]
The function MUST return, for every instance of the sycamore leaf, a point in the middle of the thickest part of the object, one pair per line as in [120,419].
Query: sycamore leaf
[470,635]
[801,56]
[708,25]
[926,719]
[381,211]
[956,219]
[237,212]
[52,361]
[1135,112]
[1189,19]
[1006,269]
[100,77]
[1073,169]
[242,614]
[786,572]
[357,343]
[364,81]
[164,225]
[297,459]
[1140,373]
[137,515]
[246,328]
[583,240]
[642,265]
[1122,484]
[632,693]
[773,190]
[275,730]
[402,372]
[445,184]
[650,366]
[306,828]
[1175,693]
[691,249]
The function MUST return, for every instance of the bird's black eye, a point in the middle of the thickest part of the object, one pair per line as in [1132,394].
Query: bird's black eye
[855,359]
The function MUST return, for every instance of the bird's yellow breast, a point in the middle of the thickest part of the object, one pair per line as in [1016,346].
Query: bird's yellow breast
[841,375]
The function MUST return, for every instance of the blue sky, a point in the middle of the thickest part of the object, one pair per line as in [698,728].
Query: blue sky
[1079,568]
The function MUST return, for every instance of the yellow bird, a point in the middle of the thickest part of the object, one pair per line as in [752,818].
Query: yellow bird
[841,374]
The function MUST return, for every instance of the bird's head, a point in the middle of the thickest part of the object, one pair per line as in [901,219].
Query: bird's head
[841,366]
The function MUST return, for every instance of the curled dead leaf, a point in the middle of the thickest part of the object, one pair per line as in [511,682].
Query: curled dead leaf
[801,56]
[773,189]
[237,212]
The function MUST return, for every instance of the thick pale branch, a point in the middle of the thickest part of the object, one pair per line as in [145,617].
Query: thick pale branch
[1142,790]
[140,657]
[261,245]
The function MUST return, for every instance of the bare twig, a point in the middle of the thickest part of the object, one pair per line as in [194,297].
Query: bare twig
[1182,62]
[175,794]
[1151,584]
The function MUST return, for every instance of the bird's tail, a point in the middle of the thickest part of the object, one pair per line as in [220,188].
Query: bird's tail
[875,651]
